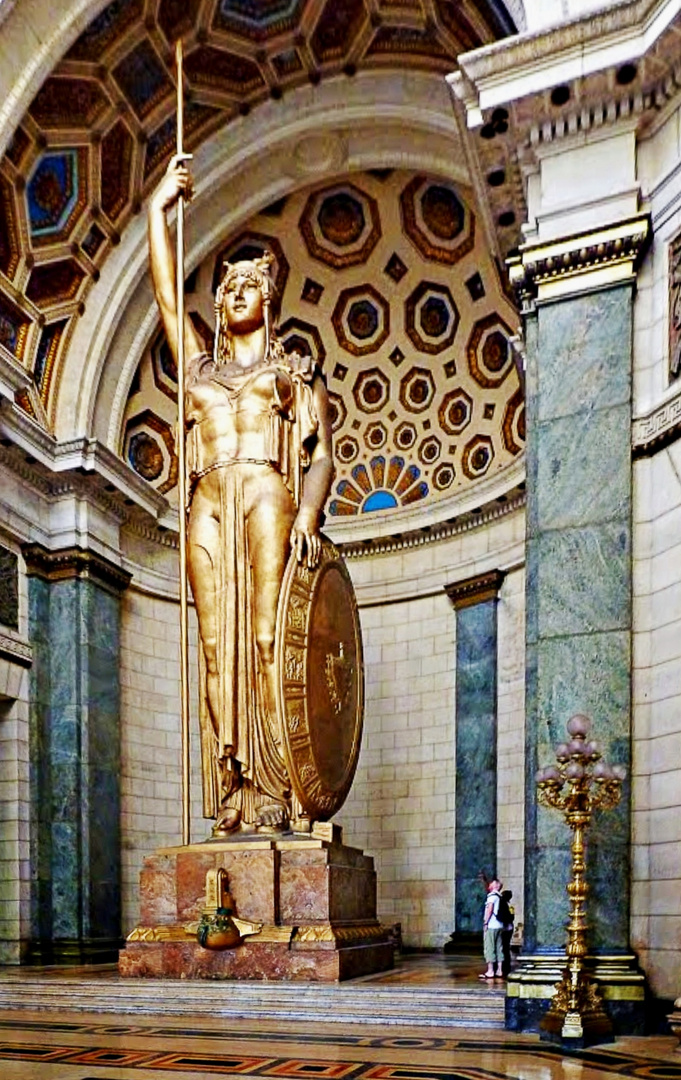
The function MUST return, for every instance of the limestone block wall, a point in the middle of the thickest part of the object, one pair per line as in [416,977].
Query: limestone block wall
[14,795]
[401,807]
[151,806]
[511,738]
[656,868]
[656,675]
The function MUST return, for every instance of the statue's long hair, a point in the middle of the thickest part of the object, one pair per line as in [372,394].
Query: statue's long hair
[257,271]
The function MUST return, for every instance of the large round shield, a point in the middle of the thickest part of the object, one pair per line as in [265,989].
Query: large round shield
[320,681]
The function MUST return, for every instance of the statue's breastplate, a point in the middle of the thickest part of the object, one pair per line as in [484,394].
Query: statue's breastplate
[237,418]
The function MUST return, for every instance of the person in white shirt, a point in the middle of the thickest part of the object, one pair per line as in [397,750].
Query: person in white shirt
[492,931]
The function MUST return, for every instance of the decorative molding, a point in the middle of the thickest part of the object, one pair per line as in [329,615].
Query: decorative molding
[674,301]
[586,44]
[384,545]
[582,261]
[658,429]
[164,535]
[74,562]
[13,375]
[618,976]
[475,590]
[595,75]
[36,456]
[20,652]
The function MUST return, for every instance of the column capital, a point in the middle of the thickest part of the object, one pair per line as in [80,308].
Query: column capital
[74,562]
[475,590]
[581,262]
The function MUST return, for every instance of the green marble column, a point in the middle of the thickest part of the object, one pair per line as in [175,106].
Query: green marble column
[74,617]
[579,296]
[475,601]
[578,592]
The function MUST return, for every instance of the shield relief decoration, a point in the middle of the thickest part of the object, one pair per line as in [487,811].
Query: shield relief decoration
[320,681]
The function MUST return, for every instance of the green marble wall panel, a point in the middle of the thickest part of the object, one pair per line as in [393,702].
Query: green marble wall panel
[578,629]
[75,768]
[476,759]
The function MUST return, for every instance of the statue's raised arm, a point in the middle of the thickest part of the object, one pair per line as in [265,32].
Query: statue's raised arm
[177,181]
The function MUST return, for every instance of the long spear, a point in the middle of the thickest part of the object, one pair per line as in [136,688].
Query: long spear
[182,477]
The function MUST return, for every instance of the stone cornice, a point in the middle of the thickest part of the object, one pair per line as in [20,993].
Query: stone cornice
[605,73]
[384,545]
[532,62]
[658,429]
[83,467]
[583,261]
[74,562]
[475,590]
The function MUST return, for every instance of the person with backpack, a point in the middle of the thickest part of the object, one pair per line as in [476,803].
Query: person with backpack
[492,931]
[506,915]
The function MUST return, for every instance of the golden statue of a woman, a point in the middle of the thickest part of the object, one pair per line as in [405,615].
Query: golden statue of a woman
[259,467]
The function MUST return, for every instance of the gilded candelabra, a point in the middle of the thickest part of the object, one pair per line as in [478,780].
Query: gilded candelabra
[580,783]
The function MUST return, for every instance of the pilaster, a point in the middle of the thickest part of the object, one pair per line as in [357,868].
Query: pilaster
[74,614]
[475,601]
[577,294]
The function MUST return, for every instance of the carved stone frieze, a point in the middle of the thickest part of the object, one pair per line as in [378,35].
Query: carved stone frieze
[414,538]
[585,260]
[659,428]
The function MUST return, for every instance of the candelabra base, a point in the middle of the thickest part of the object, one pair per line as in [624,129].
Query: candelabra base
[576,1025]
[531,991]
[574,1031]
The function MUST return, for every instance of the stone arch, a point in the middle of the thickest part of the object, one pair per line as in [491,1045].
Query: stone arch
[244,168]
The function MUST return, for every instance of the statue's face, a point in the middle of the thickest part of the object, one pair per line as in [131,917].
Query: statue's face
[243,302]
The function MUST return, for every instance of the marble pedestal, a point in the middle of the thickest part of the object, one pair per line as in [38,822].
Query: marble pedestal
[311,903]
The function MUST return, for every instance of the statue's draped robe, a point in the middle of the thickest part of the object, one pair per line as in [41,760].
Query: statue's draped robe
[242,763]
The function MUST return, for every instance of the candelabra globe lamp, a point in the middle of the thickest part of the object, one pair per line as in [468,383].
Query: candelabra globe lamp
[578,784]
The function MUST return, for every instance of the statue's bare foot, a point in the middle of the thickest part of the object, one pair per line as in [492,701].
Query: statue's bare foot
[272,818]
[228,820]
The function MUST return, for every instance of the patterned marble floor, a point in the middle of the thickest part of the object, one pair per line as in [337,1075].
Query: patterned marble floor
[65,1045]
[44,1046]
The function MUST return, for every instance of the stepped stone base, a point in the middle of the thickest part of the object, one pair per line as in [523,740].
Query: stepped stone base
[306,909]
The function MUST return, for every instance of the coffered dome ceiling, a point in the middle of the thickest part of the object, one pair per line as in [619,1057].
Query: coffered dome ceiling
[386,281]
[385,275]
[101,128]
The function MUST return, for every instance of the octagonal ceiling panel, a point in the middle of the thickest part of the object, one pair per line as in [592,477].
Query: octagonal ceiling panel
[361,319]
[56,194]
[149,446]
[431,317]
[103,122]
[257,20]
[437,220]
[340,226]
[425,395]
